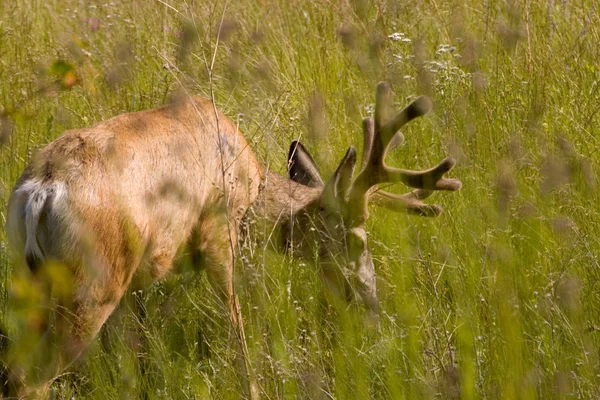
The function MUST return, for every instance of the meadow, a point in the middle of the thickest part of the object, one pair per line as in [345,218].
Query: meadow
[497,298]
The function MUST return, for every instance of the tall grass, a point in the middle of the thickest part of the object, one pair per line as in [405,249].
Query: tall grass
[497,298]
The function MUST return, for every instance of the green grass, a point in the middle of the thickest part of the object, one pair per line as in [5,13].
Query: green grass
[497,298]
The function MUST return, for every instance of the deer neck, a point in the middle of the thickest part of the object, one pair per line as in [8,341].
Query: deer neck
[279,200]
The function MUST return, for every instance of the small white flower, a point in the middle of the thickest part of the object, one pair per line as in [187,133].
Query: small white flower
[445,48]
[398,36]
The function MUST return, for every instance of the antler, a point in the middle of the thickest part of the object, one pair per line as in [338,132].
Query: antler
[381,135]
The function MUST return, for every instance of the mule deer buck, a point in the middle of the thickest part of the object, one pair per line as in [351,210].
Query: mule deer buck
[125,198]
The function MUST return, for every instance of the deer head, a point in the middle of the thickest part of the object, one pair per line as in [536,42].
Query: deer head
[330,230]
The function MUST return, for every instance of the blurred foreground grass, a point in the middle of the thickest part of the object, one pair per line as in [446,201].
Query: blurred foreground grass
[497,298]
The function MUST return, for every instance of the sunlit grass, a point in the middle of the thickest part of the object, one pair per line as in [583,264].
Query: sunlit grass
[496,298]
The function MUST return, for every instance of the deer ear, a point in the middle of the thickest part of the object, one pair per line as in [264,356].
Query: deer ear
[302,167]
[338,185]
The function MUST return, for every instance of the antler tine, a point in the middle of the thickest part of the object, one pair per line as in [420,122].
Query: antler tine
[368,137]
[383,102]
[386,128]
[409,202]
[430,179]
[419,107]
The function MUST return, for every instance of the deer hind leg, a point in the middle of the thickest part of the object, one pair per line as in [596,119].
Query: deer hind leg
[74,330]
[72,322]
[217,243]
[71,334]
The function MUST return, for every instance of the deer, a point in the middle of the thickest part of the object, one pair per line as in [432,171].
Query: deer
[125,199]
